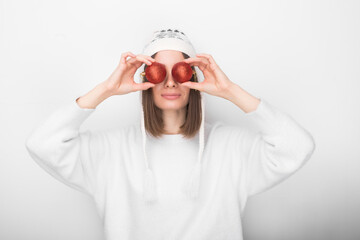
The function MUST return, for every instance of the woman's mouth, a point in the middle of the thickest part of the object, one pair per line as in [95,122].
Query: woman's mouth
[170,96]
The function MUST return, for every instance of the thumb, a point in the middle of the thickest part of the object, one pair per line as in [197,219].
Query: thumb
[193,85]
[144,86]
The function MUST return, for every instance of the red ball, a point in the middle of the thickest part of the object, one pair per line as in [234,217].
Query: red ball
[182,72]
[155,73]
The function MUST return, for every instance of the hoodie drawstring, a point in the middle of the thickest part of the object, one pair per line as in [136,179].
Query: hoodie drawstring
[149,188]
[192,184]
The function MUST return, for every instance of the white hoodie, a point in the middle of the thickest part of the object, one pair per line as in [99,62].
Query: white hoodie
[110,167]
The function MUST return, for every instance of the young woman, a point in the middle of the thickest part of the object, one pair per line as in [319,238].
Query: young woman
[174,176]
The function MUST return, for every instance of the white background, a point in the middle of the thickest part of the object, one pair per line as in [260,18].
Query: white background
[301,56]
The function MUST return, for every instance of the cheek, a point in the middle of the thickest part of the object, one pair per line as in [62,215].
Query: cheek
[156,94]
[187,96]
[155,90]
[187,92]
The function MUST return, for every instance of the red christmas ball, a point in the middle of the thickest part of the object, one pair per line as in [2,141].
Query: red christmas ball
[155,73]
[182,72]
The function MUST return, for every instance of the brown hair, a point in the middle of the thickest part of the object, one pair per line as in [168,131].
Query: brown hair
[153,115]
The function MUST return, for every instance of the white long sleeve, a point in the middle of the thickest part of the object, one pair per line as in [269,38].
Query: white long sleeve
[62,150]
[267,157]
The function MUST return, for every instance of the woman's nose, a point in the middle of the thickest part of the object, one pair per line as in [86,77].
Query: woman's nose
[170,81]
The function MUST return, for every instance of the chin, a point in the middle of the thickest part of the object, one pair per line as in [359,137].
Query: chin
[164,104]
[171,106]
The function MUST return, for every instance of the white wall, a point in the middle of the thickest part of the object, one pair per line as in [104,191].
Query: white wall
[302,56]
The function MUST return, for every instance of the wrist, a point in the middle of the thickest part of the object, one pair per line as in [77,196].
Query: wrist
[231,92]
[241,98]
[107,88]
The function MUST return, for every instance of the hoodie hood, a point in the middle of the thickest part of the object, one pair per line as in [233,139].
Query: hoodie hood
[172,39]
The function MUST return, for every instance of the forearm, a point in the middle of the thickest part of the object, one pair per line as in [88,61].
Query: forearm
[241,98]
[93,98]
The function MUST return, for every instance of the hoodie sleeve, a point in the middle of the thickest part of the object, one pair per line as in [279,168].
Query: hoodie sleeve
[63,151]
[276,151]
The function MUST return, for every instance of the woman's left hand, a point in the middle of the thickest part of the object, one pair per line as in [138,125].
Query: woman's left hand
[215,81]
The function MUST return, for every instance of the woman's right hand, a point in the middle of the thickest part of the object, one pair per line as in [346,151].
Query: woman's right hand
[121,81]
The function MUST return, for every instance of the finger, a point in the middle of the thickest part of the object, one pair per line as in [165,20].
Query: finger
[144,86]
[151,59]
[148,85]
[124,56]
[148,57]
[133,55]
[139,58]
[193,85]
[145,59]
[196,59]
[200,62]
[208,57]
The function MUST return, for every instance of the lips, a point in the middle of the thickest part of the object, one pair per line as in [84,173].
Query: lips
[170,94]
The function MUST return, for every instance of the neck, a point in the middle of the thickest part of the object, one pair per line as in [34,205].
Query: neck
[173,119]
